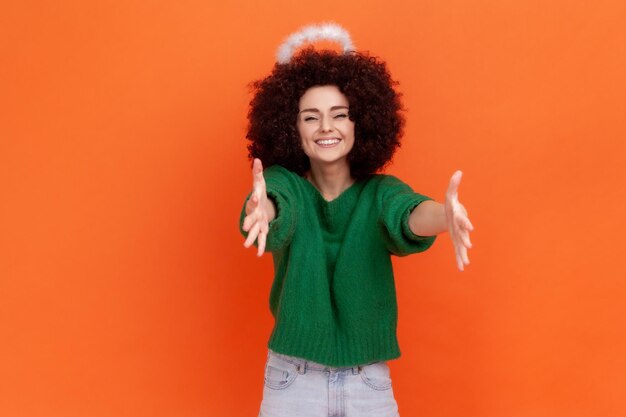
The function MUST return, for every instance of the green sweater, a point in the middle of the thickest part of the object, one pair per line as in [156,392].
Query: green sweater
[333,297]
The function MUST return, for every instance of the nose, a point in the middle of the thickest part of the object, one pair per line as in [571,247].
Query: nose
[326,125]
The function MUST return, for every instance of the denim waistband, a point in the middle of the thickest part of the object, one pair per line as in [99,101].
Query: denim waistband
[304,365]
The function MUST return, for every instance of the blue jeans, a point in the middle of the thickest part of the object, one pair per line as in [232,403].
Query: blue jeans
[296,387]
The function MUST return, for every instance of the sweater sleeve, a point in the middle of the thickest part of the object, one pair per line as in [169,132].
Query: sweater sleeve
[281,228]
[397,201]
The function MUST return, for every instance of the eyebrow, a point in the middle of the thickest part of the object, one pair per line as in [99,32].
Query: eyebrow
[317,111]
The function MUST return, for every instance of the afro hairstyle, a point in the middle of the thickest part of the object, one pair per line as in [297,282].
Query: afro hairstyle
[375,108]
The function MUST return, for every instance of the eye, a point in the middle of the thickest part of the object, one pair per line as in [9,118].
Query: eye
[309,118]
[341,116]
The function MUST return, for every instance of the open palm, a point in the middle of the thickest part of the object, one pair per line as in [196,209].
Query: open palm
[459,225]
[258,214]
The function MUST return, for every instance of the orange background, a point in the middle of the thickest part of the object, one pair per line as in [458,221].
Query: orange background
[124,286]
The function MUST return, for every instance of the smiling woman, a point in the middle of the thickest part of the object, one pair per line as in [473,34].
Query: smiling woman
[327,136]
[325,123]
[366,87]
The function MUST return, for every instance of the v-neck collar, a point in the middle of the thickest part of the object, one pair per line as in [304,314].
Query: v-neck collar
[348,191]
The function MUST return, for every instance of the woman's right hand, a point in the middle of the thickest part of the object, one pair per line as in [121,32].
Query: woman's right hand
[260,210]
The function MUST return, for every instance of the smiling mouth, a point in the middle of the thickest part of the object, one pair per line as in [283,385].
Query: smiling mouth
[328,142]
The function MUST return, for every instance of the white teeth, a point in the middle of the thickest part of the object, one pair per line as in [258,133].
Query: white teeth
[327,141]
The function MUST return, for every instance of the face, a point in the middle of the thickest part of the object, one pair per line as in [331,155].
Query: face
[326,131]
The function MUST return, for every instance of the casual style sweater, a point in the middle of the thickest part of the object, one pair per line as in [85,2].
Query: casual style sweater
[333,297]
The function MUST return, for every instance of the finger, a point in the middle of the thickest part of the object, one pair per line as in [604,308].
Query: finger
[464,257]
[466,240]
[265,227]
[252,235]
[459,262]
[261,241]
[455,180]
[462,220]
[461,256]
[462,228]
[248,221]
[250,205]
[257,173]
[461,249]
[461,237]
[257,167]
[457,256]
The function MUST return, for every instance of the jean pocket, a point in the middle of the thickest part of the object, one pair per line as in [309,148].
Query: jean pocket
[279,374]
[376,376]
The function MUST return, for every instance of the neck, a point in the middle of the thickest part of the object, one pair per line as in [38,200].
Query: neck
[330,179]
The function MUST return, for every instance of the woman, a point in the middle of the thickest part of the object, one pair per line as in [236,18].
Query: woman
[325,123]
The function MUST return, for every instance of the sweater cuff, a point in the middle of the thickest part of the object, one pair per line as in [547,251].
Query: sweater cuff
[406,229]
[417,243]
[281,227]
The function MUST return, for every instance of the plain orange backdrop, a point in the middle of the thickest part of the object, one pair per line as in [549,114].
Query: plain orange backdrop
[124,286]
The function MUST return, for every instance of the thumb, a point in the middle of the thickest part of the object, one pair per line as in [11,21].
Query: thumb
[257,173]
[454,184]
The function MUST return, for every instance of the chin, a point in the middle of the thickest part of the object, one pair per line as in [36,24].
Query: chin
[328,160]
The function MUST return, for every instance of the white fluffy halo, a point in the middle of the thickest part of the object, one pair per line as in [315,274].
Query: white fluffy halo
[312,33]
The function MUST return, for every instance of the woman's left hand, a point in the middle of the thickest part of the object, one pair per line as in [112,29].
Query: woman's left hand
[459,225]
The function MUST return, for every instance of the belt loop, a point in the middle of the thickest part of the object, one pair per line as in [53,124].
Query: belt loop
[356,370]
[302,368]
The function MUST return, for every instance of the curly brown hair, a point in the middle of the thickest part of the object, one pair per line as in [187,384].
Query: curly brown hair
[375,107]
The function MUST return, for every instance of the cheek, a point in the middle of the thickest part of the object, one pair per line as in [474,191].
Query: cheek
[351,144]
[305,132]
[300,131]
[350,132]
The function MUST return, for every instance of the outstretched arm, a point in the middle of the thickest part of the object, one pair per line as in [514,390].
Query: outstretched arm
[431,218]
[260,210]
